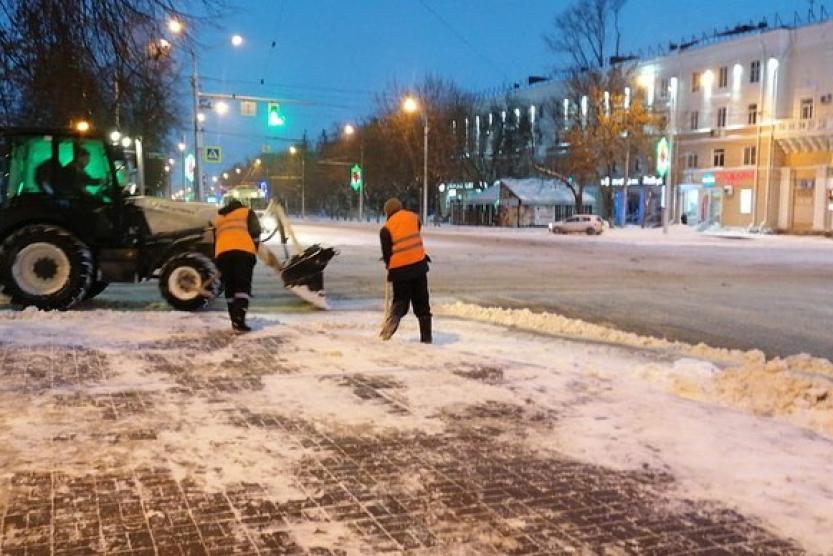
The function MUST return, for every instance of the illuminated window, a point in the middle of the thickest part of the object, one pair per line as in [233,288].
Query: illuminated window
[755,71]
[695,81]
[721,116]
[746,201]
[723,78]
[248,108]
[806,109]
[752,114]
[750,156]
[719,157]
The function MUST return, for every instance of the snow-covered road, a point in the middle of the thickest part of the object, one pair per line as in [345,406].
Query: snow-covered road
[146,429]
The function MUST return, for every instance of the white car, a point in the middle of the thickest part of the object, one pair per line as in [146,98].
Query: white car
[590,224]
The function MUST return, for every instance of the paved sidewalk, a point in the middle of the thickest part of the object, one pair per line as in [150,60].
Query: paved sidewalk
[120,461]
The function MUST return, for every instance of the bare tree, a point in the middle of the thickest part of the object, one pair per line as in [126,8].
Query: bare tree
[92,59]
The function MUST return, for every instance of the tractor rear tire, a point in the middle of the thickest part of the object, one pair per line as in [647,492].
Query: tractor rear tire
[45,266]
[189,281]
[96,288]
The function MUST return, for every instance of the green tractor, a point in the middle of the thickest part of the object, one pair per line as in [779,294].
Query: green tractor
[70,224]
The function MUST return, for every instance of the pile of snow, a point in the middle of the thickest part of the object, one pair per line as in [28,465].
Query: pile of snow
[798,389]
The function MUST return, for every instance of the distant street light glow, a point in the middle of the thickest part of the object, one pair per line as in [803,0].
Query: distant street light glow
[83,126]
[181,146]
[221,108]
[349,129]
[225,175]
[175,26]
[115,136]
[236,40]
[292,149]
[238,170]
[410,105]
[171,161]
[200,117]
[125,141]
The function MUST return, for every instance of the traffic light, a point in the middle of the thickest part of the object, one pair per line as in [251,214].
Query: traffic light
[274,116]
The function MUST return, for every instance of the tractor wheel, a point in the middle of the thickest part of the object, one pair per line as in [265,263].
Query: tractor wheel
[189,281]
[45,266]
[96,288]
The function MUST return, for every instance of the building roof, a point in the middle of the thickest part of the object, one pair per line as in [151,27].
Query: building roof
[537,191]
[488,196]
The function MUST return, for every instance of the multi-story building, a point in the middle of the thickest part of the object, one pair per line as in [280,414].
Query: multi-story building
[751,123]
[750,120]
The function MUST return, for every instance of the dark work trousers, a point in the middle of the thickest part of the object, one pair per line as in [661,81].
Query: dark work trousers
[413,292]
[236,268]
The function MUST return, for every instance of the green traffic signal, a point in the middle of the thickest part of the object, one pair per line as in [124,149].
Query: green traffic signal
[274,116]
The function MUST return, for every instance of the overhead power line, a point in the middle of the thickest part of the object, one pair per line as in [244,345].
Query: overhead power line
[463,39]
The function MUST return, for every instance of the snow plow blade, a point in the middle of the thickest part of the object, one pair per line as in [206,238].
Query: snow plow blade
[303,274]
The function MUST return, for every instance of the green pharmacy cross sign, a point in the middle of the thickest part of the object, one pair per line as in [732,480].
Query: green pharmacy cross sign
[356,177]
[663,157]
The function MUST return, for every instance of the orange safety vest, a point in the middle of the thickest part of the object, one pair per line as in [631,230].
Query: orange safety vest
[233,233]
[407,241]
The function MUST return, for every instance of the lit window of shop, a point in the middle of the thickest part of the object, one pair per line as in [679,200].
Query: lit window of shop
[746,201]
[719,158]
[806,109]
[721,116]
[695,120]
[723,77]
[752,114]
[750,156]
[691,160]
[755,71]
[695,81]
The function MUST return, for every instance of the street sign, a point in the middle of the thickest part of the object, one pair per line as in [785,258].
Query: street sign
[356,177]
[663,157]
[205,103]
[213,154]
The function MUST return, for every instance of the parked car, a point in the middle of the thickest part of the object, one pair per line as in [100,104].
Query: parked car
[590,224]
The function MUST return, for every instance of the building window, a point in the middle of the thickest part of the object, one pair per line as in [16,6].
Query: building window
[750,156]
[719,158]
[695,81]
[723,77]
[752,114]
[664,87]
[248,108]
[721,116]
[755,71]
[695,120]
[806,109]
[691,160]
[746,201]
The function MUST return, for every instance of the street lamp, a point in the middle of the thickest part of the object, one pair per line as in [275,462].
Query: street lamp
[83,126]
[176,27]
[349,131]
[410,105]
[293,150]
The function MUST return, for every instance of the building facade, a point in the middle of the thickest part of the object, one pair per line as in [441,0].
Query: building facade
[749,117]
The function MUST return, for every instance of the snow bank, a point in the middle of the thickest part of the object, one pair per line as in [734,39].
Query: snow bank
[798,389]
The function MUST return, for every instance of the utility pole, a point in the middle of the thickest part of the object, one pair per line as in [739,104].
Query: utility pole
[425,169]
[364,179]
[197,151]
[303,182]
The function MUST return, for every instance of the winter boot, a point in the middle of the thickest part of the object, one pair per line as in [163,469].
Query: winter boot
[425,330]
[238,320]
[389,327]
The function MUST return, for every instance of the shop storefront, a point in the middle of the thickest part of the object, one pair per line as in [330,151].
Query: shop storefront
[644,203]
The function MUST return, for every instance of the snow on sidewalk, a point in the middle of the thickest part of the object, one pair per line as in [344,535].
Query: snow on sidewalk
[311,433]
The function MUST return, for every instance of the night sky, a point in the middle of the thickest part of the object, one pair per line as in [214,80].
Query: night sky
[338,53]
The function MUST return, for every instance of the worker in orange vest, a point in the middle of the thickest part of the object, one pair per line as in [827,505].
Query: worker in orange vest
[235,247]
[407,265]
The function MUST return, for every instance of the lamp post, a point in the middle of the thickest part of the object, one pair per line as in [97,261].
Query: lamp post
[349,131]
[293,150]
[411,105]
[176,27]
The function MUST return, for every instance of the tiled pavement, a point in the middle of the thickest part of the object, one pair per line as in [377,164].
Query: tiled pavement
[469,489]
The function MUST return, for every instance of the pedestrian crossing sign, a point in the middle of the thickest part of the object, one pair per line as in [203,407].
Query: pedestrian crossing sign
[214,154]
